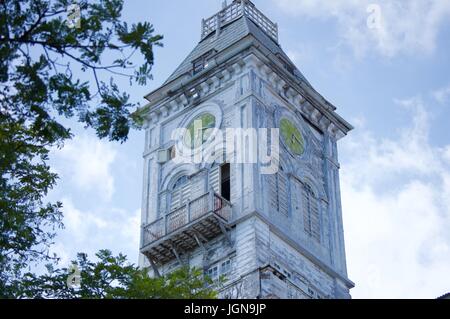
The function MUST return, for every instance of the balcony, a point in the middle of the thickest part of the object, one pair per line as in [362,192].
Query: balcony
[186,228]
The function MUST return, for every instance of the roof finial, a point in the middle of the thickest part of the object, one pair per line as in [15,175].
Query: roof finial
[224,4]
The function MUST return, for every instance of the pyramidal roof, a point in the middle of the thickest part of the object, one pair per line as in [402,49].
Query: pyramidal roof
[233,23]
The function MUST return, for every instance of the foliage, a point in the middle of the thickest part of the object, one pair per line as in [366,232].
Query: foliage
[112,277]
[40,53]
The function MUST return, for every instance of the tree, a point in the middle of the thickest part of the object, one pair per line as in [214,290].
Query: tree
[40,55]
[112,277]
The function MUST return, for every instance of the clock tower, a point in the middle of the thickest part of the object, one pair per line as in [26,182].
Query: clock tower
[241,172]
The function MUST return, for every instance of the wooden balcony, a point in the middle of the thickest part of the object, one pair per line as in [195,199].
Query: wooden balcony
[186,228]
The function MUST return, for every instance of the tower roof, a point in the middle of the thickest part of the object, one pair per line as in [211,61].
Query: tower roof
[237,30]
[228,26]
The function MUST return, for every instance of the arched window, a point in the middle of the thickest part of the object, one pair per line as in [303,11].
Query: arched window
[311,217]
[180,193]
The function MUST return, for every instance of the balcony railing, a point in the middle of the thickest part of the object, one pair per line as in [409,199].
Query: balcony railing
[207,204]
[236,10]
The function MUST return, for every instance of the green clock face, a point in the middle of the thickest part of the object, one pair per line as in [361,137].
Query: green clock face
[199,130]
[292,137]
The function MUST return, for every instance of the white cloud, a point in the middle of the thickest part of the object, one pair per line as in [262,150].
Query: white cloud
[447,154]
[87,161]
[301,55]
[80,223]
[131,229]
[442,95]
[396,202]
[97,228]
[61,253]
[402,27]
[294,56]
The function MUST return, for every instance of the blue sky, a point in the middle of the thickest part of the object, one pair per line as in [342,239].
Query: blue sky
[391,82]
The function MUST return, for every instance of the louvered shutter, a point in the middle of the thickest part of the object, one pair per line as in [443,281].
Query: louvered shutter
[162,204]
[311,214]
[175,199]
[315,219]
[295,198]
[306,216]
[272,192]
[185,194]
[282,193]
[214,179]
[197,186]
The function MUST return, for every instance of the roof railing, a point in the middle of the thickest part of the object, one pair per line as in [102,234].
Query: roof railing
[234,11]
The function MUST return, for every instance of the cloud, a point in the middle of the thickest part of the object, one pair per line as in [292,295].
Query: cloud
[95,215]
[442,95]
[86,161]
[97,228]
[81,224]
[302,54]
[396,204]
[389,27]
[295,56]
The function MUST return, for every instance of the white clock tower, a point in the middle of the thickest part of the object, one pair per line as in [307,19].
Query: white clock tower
[272,228]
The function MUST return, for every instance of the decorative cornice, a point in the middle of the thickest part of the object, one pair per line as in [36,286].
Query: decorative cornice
[299,94]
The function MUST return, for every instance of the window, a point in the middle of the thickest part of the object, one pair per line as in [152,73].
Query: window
[219,269]
[213,273]
[180,193]
[225,181]
[311,218]
[225,268]
[201,63]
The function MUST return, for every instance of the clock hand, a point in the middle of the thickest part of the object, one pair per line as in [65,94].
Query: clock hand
[295,139]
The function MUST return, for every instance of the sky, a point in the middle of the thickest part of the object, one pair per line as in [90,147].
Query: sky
[385,65]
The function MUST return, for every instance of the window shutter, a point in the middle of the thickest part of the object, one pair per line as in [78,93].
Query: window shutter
[185,194]
[197,186]
[175,199]
[214,179]
[162,204]
[180,194]
[315,220]
[311,215]
[273,192]
[306,219]
[283,193]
